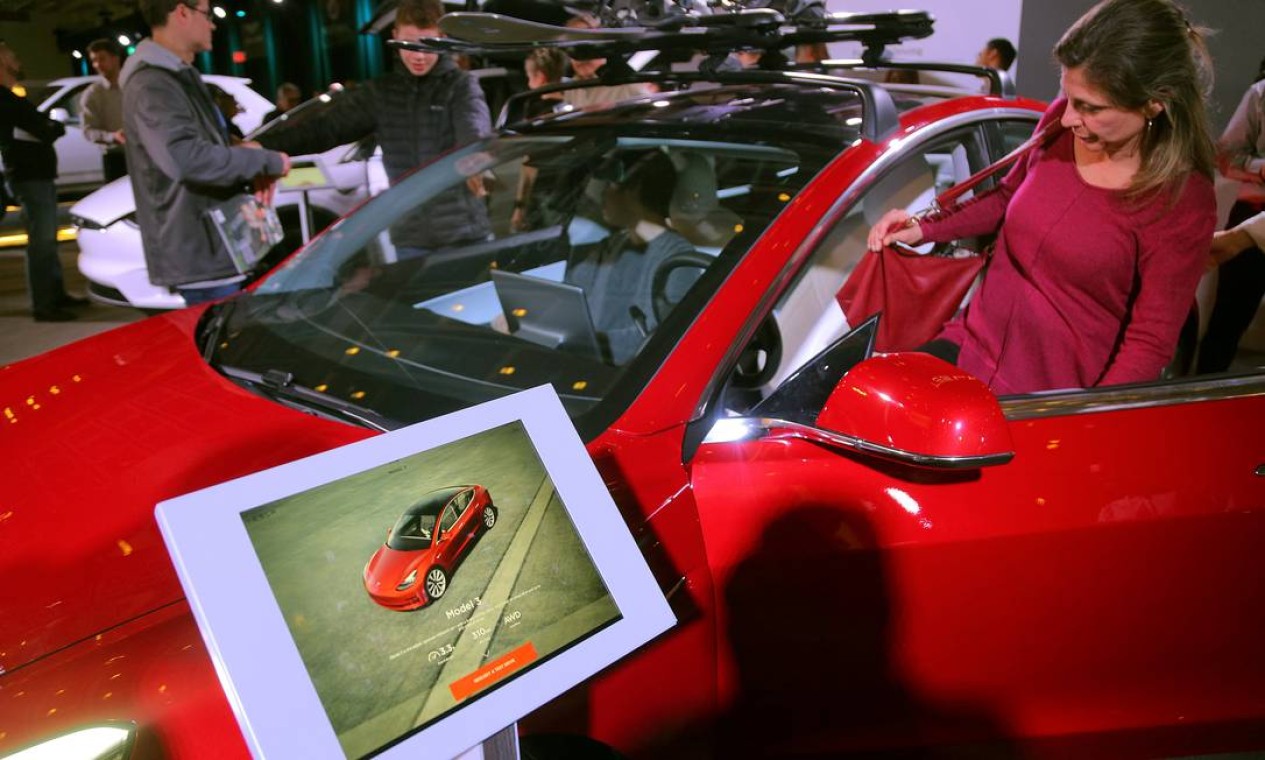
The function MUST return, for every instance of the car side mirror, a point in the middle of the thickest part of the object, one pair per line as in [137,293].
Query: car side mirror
[59,114]
[918,410]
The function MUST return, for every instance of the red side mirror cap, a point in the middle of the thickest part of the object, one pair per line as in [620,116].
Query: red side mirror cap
[920,410]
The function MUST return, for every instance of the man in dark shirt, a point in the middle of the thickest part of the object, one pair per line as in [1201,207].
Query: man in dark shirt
[617,273]
[26,142]
[416,115]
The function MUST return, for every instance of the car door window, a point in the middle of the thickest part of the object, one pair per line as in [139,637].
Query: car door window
[449,518]
[462,501]
[808,318]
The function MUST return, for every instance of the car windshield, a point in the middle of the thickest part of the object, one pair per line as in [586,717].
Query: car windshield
[411,532]
[571,257]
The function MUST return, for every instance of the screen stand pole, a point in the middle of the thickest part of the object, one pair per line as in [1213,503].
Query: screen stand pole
[305,218]
[502,745]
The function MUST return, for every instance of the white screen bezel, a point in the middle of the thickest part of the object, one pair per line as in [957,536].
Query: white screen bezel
[256,658]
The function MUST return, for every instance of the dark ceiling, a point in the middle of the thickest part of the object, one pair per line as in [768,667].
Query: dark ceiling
[69,14]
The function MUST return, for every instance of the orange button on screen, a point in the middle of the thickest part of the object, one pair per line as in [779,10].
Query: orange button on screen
[496,670]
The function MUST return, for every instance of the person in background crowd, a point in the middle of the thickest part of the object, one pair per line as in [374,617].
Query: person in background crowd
[998,53]
[749,58]
[811,52]
[229,107]
[288,96]
[179,154]
[101,106]
[26,144]
[585,69]
[416,114]
[543,66]
[1104,229]
[901,76]
[1241,281]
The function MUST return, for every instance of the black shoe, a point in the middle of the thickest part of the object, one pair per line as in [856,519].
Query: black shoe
[55,315]
[67,299]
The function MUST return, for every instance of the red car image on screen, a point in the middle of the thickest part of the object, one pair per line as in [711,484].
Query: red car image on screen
[424,546]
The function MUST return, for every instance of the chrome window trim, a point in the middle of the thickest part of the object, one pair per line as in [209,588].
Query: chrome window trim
[829,219]
[1124,398]
[734,429]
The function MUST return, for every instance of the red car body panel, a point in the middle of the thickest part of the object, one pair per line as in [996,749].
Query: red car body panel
[1050,593]
[1038,603]
[137,401]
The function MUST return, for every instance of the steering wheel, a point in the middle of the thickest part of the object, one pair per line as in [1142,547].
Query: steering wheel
[659,300]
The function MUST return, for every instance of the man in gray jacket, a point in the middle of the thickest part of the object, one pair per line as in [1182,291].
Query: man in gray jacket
[179,154]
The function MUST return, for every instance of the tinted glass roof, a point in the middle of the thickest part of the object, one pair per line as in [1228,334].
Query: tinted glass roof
[431,503]
[756,112]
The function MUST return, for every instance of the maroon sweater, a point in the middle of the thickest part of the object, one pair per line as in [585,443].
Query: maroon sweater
[1085,287]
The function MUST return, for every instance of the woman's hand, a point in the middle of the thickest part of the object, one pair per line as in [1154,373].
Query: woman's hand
[896,226]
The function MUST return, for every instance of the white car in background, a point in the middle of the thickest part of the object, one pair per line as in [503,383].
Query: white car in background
[320,188]
[79,160]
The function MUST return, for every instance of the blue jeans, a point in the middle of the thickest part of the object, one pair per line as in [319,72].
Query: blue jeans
[43,268]
[194,296]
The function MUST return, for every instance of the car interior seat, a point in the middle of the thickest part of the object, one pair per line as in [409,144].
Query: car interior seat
[810,319]
[695,210]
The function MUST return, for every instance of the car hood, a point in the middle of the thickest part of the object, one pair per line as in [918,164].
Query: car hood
[388,567]
[96,434]
[107,204]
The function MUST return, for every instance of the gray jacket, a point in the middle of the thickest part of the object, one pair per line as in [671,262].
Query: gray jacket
[181,164]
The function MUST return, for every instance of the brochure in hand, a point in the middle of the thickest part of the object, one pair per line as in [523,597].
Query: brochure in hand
[247,228]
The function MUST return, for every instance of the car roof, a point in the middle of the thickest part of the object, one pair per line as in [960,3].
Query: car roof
[755,106]
[431,503]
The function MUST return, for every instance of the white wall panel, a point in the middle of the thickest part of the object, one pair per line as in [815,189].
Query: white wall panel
[961,29]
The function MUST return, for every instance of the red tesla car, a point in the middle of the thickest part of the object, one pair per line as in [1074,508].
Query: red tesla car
[865,552]
[425,546]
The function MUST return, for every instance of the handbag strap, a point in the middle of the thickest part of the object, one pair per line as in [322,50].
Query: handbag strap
[943,200]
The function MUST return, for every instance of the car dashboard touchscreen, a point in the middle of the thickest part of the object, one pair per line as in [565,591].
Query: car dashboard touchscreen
[551,314]
[434,589]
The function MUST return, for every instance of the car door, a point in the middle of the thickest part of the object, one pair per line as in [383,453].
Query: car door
[1102,590]
[449,540]
[467,522]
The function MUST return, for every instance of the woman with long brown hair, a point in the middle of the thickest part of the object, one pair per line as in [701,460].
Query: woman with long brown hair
[1103,231]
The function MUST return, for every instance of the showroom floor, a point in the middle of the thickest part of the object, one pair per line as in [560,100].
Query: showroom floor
[22,337]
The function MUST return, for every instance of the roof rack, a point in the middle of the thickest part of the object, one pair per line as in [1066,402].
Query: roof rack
[880,121]
[1000,83]
[716,34]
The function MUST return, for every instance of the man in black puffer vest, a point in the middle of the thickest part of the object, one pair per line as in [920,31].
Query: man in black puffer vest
[415,114]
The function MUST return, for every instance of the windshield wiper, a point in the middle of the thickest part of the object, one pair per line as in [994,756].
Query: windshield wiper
[212,324]
[279,385]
